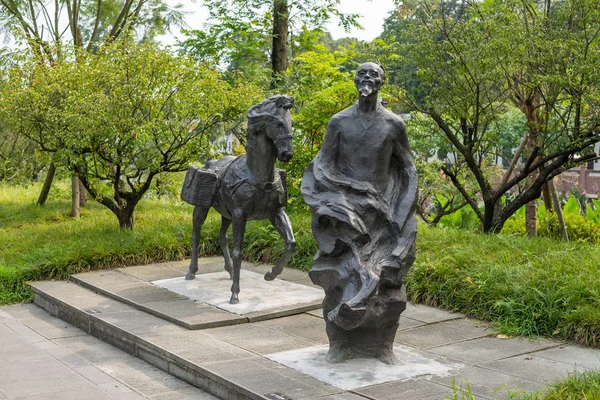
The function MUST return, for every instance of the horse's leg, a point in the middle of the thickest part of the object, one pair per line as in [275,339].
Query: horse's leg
[282,223]
[239,227]
[198,219]
[225,222]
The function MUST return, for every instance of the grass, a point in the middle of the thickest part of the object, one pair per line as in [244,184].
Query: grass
[45,243]
[525,287]
[577,386]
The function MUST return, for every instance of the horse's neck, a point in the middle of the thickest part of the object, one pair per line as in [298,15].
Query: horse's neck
[259,157]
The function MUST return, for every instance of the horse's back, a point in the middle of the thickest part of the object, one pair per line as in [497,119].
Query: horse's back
[223,162]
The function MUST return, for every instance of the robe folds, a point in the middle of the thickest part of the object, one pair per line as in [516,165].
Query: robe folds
[362,189]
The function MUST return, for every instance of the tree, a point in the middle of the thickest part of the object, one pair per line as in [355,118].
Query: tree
[466,68]
[119,118]
[49,27]
[241,33]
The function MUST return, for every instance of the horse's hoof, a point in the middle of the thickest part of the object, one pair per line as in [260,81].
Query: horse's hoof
[234,299]
[269,276]
[190,276]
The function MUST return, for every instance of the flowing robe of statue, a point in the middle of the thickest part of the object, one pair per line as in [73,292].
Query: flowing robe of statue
[362,188]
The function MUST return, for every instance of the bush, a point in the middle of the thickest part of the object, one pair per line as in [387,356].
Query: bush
[526,287]
[579,228]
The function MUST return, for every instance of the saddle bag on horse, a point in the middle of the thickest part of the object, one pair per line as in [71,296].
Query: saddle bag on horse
[199,186]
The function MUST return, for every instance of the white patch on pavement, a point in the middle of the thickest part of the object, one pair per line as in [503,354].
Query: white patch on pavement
[256,294]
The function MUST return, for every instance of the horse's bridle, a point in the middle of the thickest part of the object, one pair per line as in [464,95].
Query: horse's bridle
[278,139]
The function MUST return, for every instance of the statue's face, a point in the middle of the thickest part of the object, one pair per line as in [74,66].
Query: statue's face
[369,78]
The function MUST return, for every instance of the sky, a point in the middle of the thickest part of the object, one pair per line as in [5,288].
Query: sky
[372,13]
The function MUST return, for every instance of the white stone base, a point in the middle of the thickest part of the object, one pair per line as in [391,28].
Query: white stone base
[256,294]
[360,372]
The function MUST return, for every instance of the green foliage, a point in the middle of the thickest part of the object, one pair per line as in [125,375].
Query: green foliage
[121,116]
[526,287]
[321,88]
[580,228]
[20,159]
[239,33]
[577,386]
[463,63]
[44,242]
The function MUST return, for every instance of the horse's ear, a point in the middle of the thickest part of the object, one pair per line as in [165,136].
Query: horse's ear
[279,101]
[285,102]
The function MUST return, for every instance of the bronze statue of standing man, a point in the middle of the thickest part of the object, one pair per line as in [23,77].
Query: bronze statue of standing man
[362,189]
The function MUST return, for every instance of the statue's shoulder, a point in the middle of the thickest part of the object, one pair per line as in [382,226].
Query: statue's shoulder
[347,113]
[393,118]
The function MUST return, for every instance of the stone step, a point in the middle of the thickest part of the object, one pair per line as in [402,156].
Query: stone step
[134,286]
[211,359]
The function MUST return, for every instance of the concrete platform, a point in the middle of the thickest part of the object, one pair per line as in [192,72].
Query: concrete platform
[245,360]
[258,296]
[160,290]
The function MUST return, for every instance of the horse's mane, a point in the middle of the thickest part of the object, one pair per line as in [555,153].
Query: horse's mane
[271,107]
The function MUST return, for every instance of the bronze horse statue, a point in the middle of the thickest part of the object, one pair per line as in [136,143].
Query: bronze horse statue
[249,187]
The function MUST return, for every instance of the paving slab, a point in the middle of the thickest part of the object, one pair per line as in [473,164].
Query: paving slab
[411,389]
[258,338]
[62,371]
[341,396]
[408,323]
[487,383]
[198,347]
[268,378]
[139,322]
[4,329]
[487,349]
[584,357]
[256,295]
[67,357]
[93,350]
[442,333]
[304,326]
[25,332]
[123,287]
[428,314]
[184,394]
[89,393]
[52,328]
[153,272]
[192,314]
[139,375]
[361,372]
[533,368]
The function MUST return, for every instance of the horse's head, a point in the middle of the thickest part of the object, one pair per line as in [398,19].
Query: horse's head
[273,116]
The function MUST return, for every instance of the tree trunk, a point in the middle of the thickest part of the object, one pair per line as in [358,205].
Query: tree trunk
[547,197]
[558,209]
[75,210]
[531,208]
[125,216]
[279,60]
[82,194]
[47,185]
[531,219]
